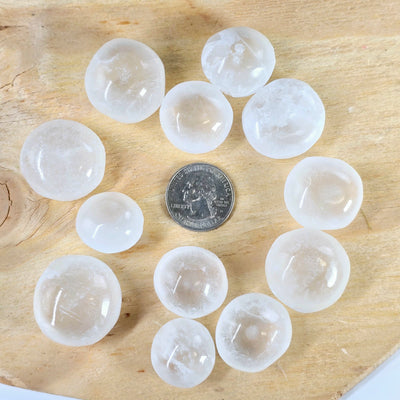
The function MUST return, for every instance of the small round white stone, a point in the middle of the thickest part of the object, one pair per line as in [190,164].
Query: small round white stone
[191,281]
[77,300]
[196,117]
[110,222]
[253,331]
[307,269]
[283,119]
[183,353]
[323,193]
[125,80]
[63,160]
[238,60]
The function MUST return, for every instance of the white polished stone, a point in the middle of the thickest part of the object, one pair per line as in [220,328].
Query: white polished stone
[125,80]
[253,331]
[110,222]
[196,117]
[77,300]
[323,193]
[63,160]
[283,119]
[307,269]
[183,353]
[191,281]
[238,60]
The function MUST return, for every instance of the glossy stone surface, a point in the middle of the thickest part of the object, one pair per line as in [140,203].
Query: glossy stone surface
[323,193]
[63,160]
[191,281]
[183,353]
[77,300]
[283,119]
[307,269]
[238,60]
[110,222]
[196,117]
[125,80]
[253,331]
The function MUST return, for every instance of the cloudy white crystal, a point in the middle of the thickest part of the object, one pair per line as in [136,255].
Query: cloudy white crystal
[307,269]
[323,193]
[238,60]
[183,353]
[191,281]
[77,300]
[110,222]
[125,80]
[63,160]
[196,117]
[283,119]
[253,331]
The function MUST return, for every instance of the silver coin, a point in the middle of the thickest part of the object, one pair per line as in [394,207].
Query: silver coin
[200,197]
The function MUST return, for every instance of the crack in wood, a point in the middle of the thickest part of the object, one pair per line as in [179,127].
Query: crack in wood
[366,219]
[9,203]
[15,77]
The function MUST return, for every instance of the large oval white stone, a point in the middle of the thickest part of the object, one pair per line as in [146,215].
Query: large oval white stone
[63,160]
[191,281]
[253,331]
[183,353]
[196,117]
[77,300]
[110,222]
[125,80]
[238,60]
[323,193]
[283,119]
[307,269]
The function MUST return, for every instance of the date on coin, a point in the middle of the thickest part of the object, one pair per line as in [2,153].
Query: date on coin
[200,197]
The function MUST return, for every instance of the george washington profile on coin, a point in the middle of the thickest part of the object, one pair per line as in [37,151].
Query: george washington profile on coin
[199,197]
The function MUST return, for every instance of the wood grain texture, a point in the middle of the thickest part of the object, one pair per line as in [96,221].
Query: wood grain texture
[347,50]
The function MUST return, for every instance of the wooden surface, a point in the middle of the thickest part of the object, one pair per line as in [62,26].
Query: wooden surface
[347,50]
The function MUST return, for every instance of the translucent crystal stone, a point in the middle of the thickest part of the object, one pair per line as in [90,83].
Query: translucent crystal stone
[323,193]
[125,80]
[63,160]
[307,269]
[196,117]
[183,353]
[110,222]
[238,60]
[283,119]
[253,331]
[77,300]
[191,281]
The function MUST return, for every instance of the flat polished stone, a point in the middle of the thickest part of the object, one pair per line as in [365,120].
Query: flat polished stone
[63,160]
[196,117]
[238,60]
[191,281]
[125,80]
[323,193]
[253,331]
[183,353]
[110,222]
[283,119]
[77,300]
[307,270]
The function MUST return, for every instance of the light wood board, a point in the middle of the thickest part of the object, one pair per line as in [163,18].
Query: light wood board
[347,50]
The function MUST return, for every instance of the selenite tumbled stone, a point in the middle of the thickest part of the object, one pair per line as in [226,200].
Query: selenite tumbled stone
[77,300]
[125,80]
[283,119]
[63,160]
[307,269]
[238,60]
